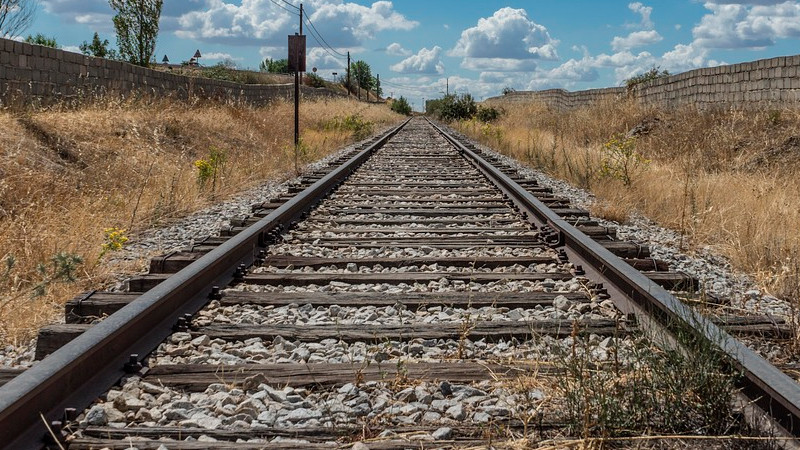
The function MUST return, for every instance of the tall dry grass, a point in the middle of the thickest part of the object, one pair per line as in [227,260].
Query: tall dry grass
[726,179]
[66,175]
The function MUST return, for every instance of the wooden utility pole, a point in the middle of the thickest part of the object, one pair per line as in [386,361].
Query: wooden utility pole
[378,87]
[348,74]
[301,33]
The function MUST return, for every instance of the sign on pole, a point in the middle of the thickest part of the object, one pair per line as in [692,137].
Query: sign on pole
[297,53]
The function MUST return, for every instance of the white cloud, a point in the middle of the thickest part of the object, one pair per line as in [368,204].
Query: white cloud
[322,60]
[686,57]
[219,56]
[644,11]
[736,25]
[425,61]
[98,14]
[396,49]
[678,26]
[499,64]
[505,41]
[636,39]
[260,22]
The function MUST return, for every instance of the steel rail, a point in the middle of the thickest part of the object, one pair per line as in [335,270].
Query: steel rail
[76,374]
[764,385]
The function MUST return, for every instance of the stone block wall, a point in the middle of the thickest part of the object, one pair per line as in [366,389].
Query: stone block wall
[766,83]
[33,74]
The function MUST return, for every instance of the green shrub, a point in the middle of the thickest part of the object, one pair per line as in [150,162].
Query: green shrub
[41,39]
[650,75]
[621,160]
[487,114]
[452,107]
[401,106]
[353,123]
[315,80]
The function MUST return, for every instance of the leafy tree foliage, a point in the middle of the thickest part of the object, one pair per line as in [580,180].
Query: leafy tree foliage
[136,23]
[98,48]
[41,39]
[651,74]
[453,107]
[361,74]
[314,80]
[401,106]
[274,65]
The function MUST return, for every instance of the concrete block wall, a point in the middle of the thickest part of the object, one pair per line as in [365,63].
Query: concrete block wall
[34,74]
[766,83]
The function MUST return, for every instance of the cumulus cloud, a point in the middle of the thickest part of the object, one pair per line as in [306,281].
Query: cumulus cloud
[396,49]
[220,56]
[98,14]
[507,40]
[636,39]
[322,60]
[425,61]
[644,11]
[740,25]
[259,22]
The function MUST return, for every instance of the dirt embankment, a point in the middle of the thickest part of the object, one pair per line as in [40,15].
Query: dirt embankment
[727,179]
[74,184]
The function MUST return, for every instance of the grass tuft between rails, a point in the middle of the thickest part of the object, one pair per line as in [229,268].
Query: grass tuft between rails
[726,179]
[77,183]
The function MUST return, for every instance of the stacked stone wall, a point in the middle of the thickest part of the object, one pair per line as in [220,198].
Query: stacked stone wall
[766,83]
[33,74]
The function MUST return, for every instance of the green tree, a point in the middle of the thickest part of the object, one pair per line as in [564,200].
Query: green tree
[453,107]
[274,65]
[98,48]
[41,39]
[651,74]
[136,23]
[401,106]
[361,74]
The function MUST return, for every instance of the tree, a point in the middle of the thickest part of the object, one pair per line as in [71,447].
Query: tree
[401,106]
[16,16]
[650,75]
[41,39]
[362,74]
[452,107]
[274,65]
[136,23]
[98,48]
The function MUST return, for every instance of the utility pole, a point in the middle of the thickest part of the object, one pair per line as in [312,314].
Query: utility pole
[378,88]
[348,74]
[447,80]
[301,33]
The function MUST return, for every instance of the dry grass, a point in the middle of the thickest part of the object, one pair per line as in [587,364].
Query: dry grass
[726,179]
[66,175]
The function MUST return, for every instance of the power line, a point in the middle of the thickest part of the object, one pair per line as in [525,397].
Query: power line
[323,47]
[408,88]
[308,21]
[293,6]
[282,7]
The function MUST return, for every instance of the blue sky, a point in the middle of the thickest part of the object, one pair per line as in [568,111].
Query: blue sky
[481,46]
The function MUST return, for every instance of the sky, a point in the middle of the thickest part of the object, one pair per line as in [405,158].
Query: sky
[421,48]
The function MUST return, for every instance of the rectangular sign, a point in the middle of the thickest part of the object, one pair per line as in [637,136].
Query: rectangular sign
[297,53]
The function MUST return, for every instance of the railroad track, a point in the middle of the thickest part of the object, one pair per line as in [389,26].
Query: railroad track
[407,296]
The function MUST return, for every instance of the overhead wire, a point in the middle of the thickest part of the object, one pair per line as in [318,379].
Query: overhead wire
[310,23]
[323,47]
[290,4]
[282,7]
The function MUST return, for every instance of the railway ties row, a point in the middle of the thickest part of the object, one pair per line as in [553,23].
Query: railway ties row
[414,305]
